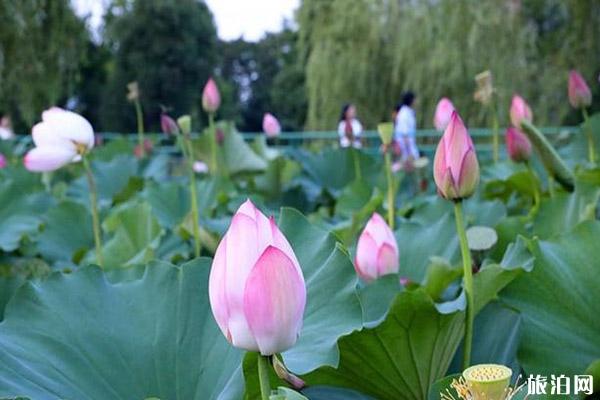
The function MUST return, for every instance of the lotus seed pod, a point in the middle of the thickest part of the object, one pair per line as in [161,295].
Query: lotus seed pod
[488,381]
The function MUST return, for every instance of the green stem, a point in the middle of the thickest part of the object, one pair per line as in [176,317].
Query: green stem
[263,377]
[94,207]
[213,143]
[187,150]
[495,128]
[536,190]
[467,283]
[590,136]
[357,171]
[390,189]
[140,126]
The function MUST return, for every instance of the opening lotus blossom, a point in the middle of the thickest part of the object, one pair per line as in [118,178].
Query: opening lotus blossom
[61,138]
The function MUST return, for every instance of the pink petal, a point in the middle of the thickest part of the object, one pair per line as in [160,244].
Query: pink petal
[469,176]
[365,262]
[274,301]
[48,158]
[387,260]
[458,143]
[217,286]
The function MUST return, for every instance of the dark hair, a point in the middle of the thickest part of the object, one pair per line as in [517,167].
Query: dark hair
[345,108]
[398,107]
[408,98]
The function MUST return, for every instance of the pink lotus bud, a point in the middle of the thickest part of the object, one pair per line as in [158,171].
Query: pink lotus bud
[200,167]
[168,125]
[443,112]
[519,110]
[211,99]
[580,95]
[62,137]
[377,251]
[2,161]
[256,287]
[517,145]
[271,126]
[455,166]
[148,147]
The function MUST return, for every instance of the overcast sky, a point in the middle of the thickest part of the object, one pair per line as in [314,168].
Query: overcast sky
[234,18]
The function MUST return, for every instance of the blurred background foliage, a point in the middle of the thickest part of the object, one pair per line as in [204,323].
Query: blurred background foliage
[362,51]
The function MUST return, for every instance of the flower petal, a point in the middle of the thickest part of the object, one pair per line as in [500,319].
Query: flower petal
[274,301]
[70,126]
[48,158]
[365,262]
[387,260]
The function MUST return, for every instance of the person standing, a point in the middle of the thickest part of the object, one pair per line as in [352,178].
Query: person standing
[405,128]
[6,131]
[349,127]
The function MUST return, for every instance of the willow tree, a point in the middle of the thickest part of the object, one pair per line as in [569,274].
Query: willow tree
[369,51]
[41,43]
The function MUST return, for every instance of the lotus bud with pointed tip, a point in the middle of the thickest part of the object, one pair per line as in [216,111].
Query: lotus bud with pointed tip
[455,166]
[518,145]
[168,125]
[271,125]
[488,381]
[256,287]
[211,99]
[377,251]
[580,95]
[185,124]
[62,137]
[519,110]
[443,113]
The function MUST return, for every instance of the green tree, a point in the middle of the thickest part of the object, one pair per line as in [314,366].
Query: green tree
[169,47]
[369,51]
[41,43]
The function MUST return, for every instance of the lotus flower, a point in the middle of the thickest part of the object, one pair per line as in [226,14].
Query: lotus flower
[517,145]
[168,125]
[377,251]
[62,137]
[519,110]
[256,288]
[580,95]
[200,167]
[455,166]
[2,161]
[211,99]
[139,151]
[271,126]
[443,112]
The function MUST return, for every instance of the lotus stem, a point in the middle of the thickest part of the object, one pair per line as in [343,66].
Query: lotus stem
[263,377]
[467,283]
[357,171]
[213,143]
[140,126]
[187,150]
[495,135]
[94,208]
[590,136]
[390,189]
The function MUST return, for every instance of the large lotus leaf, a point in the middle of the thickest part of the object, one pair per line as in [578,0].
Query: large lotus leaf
[333,393]
[234,154]
[135,233]
[334,169]
[401,357]
[111,178]
[558,302]
[564,211]
[496,335]
[67,232]
[170,202]
[332,308]
[22,205]
[82,336]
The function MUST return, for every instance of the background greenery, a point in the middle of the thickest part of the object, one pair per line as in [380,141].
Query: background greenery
[363,51]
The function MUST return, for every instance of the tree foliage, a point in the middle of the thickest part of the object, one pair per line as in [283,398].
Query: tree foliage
[369,51]
[168,47]
[41,47]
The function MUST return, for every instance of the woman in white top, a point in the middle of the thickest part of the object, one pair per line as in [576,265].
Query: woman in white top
[349,128]
[5,127]
[405,129]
